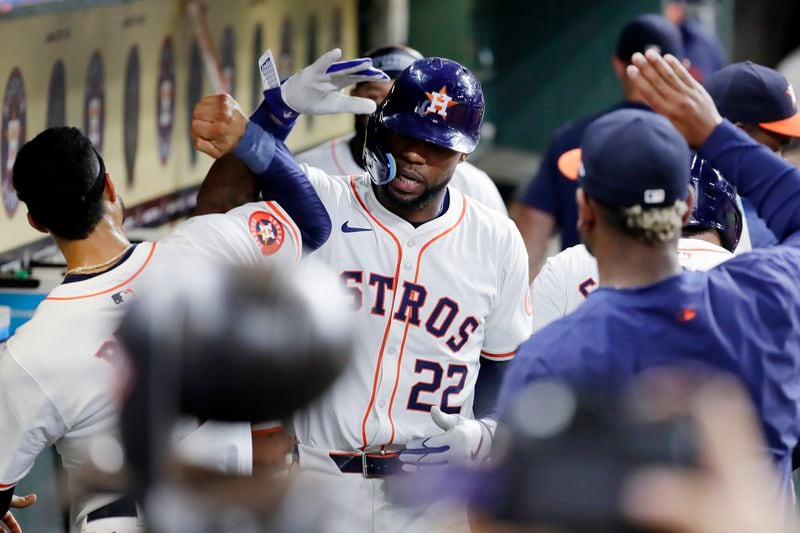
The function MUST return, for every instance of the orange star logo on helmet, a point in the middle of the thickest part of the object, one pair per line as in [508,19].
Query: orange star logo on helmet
[440,102]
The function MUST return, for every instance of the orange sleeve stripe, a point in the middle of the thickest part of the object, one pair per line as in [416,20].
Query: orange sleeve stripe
[268,431]
[4,487]
[279,212]
[115,287]
[507,355]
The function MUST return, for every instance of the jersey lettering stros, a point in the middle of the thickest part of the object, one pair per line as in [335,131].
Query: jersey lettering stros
[430,301]
[57,373]
[567,278]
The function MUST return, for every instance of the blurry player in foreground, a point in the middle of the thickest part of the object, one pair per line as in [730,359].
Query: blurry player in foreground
[709,238]
[233,345]
[634,198]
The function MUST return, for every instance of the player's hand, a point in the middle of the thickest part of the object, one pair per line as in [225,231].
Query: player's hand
[316,90]
[735,488]
[670,90]
[464,441]
[218,124]
[17,502]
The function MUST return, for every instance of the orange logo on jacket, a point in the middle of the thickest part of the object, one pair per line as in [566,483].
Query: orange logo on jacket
[267,231]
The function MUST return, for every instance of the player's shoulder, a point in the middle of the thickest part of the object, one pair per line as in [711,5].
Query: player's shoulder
[316,154]
[573,254]
[470,171]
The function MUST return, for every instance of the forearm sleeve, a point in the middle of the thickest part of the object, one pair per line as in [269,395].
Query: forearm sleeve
[280,179]
[5,500]
[487,387]
[772,184]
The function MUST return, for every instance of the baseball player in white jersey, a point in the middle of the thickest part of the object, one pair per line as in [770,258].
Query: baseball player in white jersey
[342,156]
[712,235]
[437,281]
[57,372]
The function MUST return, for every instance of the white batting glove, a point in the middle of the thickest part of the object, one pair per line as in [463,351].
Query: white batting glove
[316,90]
[464,441]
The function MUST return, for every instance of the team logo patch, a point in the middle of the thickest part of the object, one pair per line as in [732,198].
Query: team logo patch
[122,296]
[267,231]
[439,102]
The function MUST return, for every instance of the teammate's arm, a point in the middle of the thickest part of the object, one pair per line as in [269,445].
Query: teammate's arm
[536,211]
[536,227]
[220,127]
[487,388]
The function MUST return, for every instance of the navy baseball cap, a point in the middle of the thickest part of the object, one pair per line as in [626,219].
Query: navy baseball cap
[631,157]
[754,94]
[393,59]
[646,32]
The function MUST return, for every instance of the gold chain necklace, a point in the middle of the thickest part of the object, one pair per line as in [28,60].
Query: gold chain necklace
[85,268]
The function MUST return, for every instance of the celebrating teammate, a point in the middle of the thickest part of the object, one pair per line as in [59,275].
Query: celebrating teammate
[739,317]
[438,282]
[57,371]
[709,238]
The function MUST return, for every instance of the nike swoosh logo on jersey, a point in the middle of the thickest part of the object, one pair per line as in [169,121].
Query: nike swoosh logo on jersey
[348,229]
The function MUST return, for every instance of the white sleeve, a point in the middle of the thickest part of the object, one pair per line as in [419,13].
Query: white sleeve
[29,422]
[250,234]
[548,295]
[509,323]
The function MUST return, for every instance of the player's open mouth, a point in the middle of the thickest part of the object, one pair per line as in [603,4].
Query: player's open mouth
[407,184]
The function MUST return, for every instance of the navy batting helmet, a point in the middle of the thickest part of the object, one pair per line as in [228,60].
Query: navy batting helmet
[435,100]
[715,204]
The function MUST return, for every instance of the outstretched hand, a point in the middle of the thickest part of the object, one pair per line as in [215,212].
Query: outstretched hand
[670,90]
[316,90]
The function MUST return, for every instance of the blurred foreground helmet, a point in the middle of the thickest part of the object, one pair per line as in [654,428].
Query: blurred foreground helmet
[235,345]
[434,100]
[715,206]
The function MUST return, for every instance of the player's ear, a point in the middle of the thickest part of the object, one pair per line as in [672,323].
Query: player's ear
[111,189]
[586,212]
[463,158]
[690,200]
[35,225]
[619,66]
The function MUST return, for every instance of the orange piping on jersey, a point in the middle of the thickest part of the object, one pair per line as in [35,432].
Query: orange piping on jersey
[268,431]
[4,487]
[339,168]
[726,252]
[115,287]
[389,315]
[286,220]
[499,356]
[405,332]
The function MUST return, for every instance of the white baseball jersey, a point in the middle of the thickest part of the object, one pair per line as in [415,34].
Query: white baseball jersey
[335,158]
[430,302]
[57,372]
[567,278]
